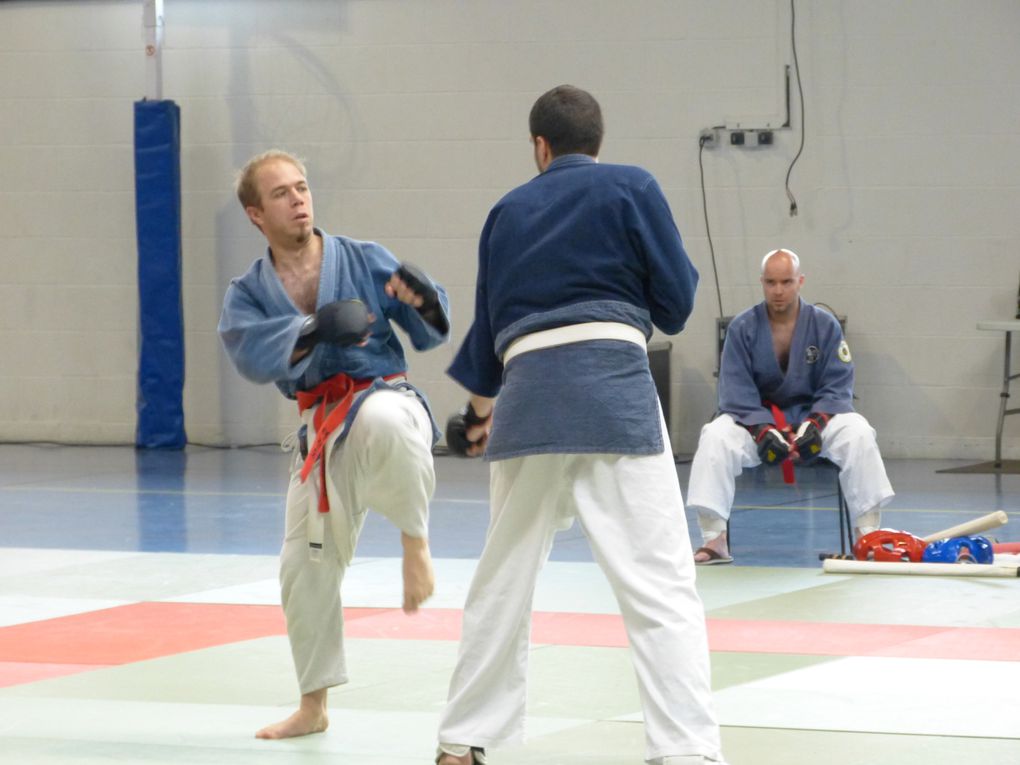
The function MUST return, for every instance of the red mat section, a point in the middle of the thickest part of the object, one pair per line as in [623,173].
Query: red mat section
[394,624]
[444,624]
[76,643]
[815,638]
[139,631]
[961,643]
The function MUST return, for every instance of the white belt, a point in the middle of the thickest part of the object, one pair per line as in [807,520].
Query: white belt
[574,333]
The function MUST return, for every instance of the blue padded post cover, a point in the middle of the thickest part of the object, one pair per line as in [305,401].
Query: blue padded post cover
[159,402]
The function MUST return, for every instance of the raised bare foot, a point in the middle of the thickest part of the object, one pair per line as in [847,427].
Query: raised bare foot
[419,579]
[309,718]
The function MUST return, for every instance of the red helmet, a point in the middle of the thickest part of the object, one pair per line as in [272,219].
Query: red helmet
[889,545]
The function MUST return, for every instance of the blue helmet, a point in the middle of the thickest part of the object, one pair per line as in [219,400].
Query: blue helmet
[973,549]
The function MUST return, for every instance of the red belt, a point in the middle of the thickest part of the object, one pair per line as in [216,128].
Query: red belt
[339,390]
[785,429]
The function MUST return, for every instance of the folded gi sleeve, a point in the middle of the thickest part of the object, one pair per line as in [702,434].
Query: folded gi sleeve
[259,344]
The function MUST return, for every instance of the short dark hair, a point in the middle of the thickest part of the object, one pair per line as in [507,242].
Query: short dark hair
[569,119]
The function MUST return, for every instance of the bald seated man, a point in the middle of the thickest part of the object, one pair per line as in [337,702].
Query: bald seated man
[784,363]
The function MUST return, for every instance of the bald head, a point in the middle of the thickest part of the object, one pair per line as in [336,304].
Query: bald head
[781,280]
[788,255]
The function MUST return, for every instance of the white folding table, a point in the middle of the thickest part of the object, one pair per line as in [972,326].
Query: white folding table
[1007,327]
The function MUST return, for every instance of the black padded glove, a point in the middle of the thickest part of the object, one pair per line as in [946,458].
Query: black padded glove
[772,445]
[809,436]
[457,427]
[343,322]
[421,285]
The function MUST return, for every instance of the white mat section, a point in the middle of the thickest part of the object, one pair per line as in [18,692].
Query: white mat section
[22,561]
[19,609]
[377,583]
[229,727]
[264,592]
[938,697]
[186,578]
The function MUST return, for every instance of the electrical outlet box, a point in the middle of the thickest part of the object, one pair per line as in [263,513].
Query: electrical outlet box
[709,137]
[739,136]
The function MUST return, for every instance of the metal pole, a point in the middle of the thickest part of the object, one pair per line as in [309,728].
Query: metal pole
[1003,400]
[152,21]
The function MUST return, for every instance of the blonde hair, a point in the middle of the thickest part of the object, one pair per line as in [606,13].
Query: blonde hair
[793,259]
[245,185]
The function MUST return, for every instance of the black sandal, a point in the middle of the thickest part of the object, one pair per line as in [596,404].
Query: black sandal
[477,756]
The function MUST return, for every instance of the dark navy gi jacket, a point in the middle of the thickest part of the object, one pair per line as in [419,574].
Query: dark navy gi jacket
[581,242]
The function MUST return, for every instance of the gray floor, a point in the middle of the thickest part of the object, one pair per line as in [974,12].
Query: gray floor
[139,622]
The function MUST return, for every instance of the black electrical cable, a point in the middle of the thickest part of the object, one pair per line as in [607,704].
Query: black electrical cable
[800,91]
[704,206]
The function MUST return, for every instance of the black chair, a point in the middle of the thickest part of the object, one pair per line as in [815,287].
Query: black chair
[846,534]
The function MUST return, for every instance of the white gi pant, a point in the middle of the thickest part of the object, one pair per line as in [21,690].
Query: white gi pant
[385,463]
[726,448]
[631,511]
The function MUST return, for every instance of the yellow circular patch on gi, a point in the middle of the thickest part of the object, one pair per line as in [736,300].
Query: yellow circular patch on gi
[843,352]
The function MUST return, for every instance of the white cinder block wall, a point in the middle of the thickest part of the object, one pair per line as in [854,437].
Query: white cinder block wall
[412,115]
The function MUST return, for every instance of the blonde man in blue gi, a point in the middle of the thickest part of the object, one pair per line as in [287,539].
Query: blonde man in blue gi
[788,354]
[313,315]
[574,269]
